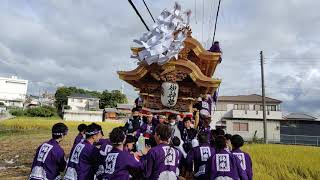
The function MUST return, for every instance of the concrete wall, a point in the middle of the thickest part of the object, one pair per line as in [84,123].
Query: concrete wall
[13,91]
[88,116]
[273,129]
[256,114]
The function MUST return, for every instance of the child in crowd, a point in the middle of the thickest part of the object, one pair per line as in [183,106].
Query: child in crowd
[225,165]
[245,159]
[49,160]
[83,162]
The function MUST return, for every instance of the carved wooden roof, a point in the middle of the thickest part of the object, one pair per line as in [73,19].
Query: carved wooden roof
[193,61]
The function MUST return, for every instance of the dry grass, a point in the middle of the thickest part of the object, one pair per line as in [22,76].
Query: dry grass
[283,162]
[21,136]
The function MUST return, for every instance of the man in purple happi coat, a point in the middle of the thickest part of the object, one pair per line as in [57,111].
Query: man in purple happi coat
[49,160]
[204,106]
[81,136]
[245,159]
[216,48]
[117,163]
[225,165]
[198,157]
[147,129]
[134,123]
[162,161]
[83,161]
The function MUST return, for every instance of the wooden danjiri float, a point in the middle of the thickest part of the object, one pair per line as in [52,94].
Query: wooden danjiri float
[174,84]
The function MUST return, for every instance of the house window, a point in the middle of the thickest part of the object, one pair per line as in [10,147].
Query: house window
[269,108]
[235,106]
[221,107]
[241,106]
[72,100]
[237,126]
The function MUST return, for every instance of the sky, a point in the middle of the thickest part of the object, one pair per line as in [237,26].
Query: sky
[83,43]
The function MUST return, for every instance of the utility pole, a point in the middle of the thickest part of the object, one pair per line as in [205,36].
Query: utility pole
[263,100]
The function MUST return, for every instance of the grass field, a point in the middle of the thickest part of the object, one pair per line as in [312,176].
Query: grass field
[20,137]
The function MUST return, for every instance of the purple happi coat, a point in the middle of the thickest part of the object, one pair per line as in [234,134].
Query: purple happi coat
[225,165]
[146,129]
[206,130]
[48,162]
[105,147]
[83,162]
[116,165]
[79,138]
[199,157]
[162,163]
[245,161]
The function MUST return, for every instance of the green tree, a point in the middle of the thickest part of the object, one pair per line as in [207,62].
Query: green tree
[111,99]
[1,104]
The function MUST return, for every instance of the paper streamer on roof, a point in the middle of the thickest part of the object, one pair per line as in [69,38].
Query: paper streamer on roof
[166,38]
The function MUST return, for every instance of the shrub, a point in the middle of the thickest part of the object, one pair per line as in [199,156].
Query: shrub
[17,112]
[44,111]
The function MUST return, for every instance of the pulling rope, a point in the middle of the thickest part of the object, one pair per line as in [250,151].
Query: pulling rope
[148,11]
[215,25]
[137,12]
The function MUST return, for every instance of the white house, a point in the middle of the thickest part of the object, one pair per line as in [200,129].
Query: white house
[13,91]
[243,115]
[83,108]
[83,102]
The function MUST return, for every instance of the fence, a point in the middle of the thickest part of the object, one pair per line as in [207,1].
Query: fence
[300,139]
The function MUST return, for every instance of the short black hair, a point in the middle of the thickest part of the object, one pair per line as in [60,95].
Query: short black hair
[93,127]
[220,132]
[228,136]
[186,119]
[237,141]
[117,136]
[82,127]
[175,141]
[58,130]
[130,139]
[163,131]
[203,138]
[135,109]
[99,128]
[220,142]
[172,116]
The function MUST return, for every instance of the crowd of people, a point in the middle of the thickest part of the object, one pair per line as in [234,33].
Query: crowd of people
[173,149]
